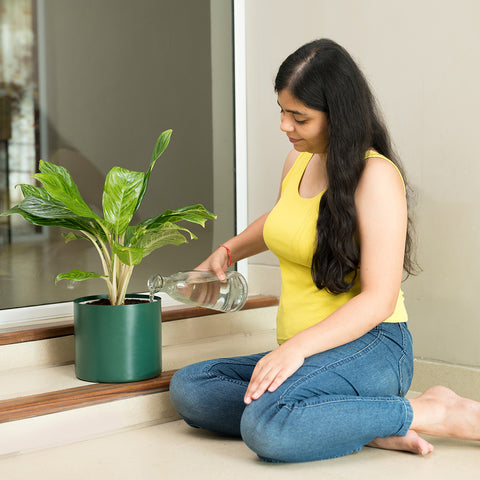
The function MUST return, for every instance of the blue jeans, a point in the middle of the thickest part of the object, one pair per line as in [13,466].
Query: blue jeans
[337,402]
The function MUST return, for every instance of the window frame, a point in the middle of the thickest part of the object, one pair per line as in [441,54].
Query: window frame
[38,313]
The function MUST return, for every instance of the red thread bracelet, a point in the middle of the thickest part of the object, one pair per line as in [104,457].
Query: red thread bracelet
[229,254]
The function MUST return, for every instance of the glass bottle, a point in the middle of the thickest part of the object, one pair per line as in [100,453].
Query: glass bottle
[203,288]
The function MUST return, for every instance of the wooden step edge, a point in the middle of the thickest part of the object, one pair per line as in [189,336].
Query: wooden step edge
[71,398]
[65,326]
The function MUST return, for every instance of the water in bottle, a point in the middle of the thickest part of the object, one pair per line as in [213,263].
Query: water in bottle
[203,288]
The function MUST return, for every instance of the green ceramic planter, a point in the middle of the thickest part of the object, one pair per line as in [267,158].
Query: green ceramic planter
[117,343]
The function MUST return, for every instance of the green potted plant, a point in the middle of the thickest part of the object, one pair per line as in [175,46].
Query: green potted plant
[117,337]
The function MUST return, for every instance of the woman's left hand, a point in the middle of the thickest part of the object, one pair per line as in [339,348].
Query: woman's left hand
[272,370]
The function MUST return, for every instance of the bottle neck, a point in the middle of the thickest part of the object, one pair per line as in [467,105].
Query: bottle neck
[156,283]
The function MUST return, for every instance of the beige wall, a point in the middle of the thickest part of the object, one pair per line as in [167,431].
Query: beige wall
[423,60]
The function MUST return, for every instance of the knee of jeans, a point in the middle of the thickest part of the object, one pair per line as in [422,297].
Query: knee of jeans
[275,436]
[180,398]
[183,391]
[261,430]
[176,389]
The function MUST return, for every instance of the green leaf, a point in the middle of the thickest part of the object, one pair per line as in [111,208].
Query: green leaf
[61,187]
[78,276]
[40,207]
[73,236]
[128,255]
[193,213]
[130,233]
[12,211]
[168,234]
[160,146]
[48,213]
[44,222]
[120,196]
[31,191]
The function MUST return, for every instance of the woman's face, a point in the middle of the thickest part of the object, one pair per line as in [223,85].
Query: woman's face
[306,128]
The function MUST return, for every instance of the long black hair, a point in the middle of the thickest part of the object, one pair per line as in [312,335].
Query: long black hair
[323,76]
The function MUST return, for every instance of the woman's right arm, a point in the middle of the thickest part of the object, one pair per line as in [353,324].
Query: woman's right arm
[249,242]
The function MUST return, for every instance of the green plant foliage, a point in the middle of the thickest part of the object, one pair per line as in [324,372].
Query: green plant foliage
[120,195]
[120,245]
[78,275]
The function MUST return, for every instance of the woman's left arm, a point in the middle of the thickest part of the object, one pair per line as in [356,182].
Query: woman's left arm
[382,224]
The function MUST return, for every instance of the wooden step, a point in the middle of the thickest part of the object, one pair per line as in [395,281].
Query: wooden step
[64,327]
[70,398]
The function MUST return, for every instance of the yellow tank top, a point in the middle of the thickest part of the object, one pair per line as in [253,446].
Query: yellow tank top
[290,233]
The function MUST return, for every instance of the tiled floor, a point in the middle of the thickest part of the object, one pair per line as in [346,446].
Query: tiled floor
[175,451]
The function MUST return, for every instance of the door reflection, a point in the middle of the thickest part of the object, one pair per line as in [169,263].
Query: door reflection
[112,74]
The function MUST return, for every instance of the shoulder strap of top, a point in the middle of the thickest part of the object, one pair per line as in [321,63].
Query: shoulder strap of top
[297,169]
[373,153]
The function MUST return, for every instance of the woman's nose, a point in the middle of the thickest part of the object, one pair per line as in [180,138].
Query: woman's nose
[286,125]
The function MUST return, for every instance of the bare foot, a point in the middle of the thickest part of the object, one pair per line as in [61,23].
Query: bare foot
[441,412]
[411,442]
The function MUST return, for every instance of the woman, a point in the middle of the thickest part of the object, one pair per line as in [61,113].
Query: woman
[339,227]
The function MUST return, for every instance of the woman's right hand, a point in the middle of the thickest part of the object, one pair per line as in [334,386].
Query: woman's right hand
[217,262]
[248,243]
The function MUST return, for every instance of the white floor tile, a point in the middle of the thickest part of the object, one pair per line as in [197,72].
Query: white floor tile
[175,451]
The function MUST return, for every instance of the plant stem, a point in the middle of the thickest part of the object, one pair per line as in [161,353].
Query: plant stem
[128,270]
[107,270]
[113,298]
[107,256]
[105,265]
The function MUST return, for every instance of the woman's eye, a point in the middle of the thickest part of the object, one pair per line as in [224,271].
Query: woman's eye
[300,122]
